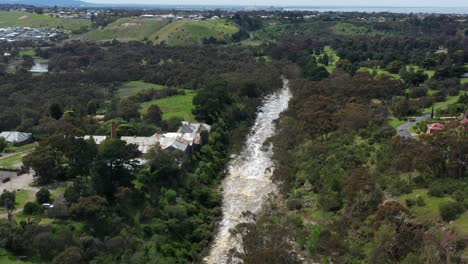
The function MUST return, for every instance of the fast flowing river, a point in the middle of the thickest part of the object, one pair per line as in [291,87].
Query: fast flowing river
[247,183]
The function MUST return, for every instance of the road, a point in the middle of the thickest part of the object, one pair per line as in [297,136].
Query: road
[403,130]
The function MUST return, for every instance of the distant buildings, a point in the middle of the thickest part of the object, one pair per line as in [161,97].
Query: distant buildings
[14,34]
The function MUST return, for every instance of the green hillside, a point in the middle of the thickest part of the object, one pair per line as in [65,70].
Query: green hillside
[127,29]
[25,19]
[182,33]
[175,33]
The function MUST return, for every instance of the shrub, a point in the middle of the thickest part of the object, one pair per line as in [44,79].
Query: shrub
[410,202]
[420,201]
[458,196]
[435,190]
[43,196]
[451,211]
[294,204]
[32,208]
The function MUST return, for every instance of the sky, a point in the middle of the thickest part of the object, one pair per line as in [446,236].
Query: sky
[385,3]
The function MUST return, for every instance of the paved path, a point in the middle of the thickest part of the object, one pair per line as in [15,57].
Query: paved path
[403,130]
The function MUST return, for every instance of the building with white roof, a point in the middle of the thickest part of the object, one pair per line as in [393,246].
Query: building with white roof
[16,138]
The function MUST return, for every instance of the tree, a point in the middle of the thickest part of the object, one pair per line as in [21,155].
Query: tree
[55,111]
[46,163]
[153,115]
[71,255]
[43,196]
[3,144]
[211,101]
[451,211]
[114,166]
[394,66]
[362,192]
[7,200]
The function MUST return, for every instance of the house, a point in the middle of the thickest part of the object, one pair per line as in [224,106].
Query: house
[189,137]
[435,127]
[17,138]
[97,139]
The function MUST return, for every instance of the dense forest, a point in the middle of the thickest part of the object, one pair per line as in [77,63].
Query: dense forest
[351,189]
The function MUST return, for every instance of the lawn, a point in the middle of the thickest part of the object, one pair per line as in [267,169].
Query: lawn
[57,192]
[461,224]
[127,29]
[430,211]
[179,106]
[333,58]
[429,73]
[450,100]
[380,72]
[395,122]
[27,52]
[12,162]
[13,149]
[22,197]
[25,19]
[464,81]
[132,88]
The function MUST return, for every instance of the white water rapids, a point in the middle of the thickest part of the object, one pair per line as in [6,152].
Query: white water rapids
[247,183]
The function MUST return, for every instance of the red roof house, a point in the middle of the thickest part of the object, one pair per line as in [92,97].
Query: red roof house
[435,127]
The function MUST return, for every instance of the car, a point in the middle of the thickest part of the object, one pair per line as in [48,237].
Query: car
[47,205]
[412,119]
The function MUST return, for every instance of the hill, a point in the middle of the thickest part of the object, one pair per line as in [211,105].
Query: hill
[176,33]
[182,33]
[127,29]
[25,19]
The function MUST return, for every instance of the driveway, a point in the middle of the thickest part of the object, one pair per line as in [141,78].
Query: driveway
[403,130]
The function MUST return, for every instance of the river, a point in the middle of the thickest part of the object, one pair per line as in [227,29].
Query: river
[248,181]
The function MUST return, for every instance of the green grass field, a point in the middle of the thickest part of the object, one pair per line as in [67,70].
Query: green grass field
[464,81]
[25,19]
[429,212]
[429,73]
[175,33]
[344,28]
[22,197]
[13,149]
[127,29]
[333,57]
[12,162]
[132,88]
[179,106]
[439,105]
[380,72]
[395,122]
[184,33]
[27,52]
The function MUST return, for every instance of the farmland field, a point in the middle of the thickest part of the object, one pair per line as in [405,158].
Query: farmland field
[25,19]
[179,106]
[127,29]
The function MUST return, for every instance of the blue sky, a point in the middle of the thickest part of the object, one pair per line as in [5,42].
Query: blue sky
[386,3]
